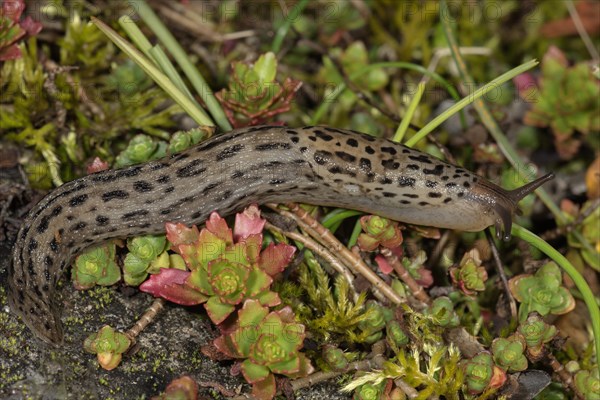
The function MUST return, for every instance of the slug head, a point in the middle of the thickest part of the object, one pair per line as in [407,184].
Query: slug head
[504,203]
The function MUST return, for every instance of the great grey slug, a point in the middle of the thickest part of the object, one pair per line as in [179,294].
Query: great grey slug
[316,165]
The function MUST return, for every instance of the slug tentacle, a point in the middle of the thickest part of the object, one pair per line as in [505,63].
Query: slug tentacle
[504,203]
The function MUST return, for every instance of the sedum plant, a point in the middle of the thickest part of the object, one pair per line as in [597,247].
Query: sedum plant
[542,292]
[96,266]
[184,388]
[379,231]
[442,311]
[509,353]
[108,345]
[469,276]
[269,343]
[13,29]
[482,374]
[567,101]
[254,96]
[144,252]
[225,267]
[536,333]
[588,383]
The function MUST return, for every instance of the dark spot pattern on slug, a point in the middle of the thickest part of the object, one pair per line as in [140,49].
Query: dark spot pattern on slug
[210,187]
[237,174]
[388,194]
[423,203]
[370,150]
[386,181]
[413,167]
[322,135]
[163,179]
[134,214]
[390,164]
[434,195]
[405,201]
[78,226]
[322,157]
[230,151]
[104,178]
[447,200]
[365,164]
[114,194]
[467,185]
[390,150]
[158,165]
[352,142]
[347,157]
[451,184]
[295,139]
[33,244]
[437,170]
[430,184]
[421,158]
[169,189]
[273,146]
[190,169]
[102,220]
[276,181]
[143,186]
[48,261]
[270,164]
[54,245]
[411,195]
[78,200]
[404,181]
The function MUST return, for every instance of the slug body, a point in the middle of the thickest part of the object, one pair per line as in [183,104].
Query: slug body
[316,165]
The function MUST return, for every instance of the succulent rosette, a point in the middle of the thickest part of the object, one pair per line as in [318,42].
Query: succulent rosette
[379,231]
[509,353]
[96,266]
[269,342]
[227,266]
[109,345]
[469,276]
[542,292]
[536,333]
[481,373]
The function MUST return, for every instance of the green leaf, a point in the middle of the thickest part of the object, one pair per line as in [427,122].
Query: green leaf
[286,367]
[266,67]
[254,372]
[257,282]
[218,311]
